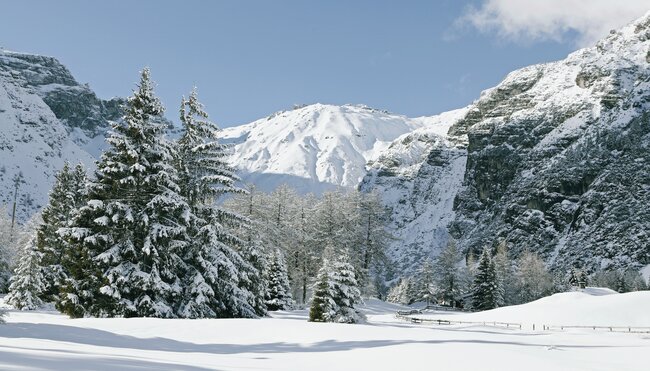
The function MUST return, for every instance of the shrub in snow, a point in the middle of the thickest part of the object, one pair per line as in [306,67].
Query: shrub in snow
[26,285]
[278,293]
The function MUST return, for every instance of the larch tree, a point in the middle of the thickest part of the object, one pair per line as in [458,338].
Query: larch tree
[7,250]
[533,279]
[449,275]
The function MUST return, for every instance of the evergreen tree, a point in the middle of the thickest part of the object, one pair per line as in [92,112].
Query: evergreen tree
[222,271]
[449,275]
[131,231]
[278,293]
[27,284]
[66,196]
[323,307]
[346,291]
[485,290]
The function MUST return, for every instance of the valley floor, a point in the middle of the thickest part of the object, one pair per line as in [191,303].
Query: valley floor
[43,340]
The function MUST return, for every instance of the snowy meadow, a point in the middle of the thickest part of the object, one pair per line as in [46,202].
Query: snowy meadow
[45,340]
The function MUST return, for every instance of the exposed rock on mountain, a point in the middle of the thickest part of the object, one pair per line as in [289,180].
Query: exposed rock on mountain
[46,118]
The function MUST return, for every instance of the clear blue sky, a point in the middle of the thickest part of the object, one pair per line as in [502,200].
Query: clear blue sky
[252,58]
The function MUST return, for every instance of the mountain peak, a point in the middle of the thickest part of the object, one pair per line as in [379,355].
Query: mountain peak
[315,147]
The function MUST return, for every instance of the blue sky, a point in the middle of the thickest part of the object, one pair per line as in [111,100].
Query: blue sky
[251,58]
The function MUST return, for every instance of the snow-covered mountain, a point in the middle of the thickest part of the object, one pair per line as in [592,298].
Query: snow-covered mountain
[316,147]
[418,177]
[46,118]
[558,162]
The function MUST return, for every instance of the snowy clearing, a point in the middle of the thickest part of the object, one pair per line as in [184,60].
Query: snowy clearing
[45,340]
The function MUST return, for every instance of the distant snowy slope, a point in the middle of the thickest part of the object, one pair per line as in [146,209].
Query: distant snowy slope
[315,147]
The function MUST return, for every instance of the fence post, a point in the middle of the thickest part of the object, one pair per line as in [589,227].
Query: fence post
[533,327]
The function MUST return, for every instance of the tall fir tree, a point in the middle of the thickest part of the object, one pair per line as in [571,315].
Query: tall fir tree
[67,195]
[278,293]
[485,289]
[131,231]
[219,282]
[27,283]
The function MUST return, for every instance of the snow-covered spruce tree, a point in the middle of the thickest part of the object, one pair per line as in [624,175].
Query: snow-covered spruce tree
[278,292]
[131,231]
[448,275]
[346,291]
[485,289]
[219,280]
[27,284]
[67,195]
[323,307]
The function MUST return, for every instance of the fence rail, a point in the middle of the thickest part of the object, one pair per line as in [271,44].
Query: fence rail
[452,322]
[408,316]
[631,329]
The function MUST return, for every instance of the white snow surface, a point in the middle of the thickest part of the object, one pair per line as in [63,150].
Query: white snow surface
[43,340]
[315,147]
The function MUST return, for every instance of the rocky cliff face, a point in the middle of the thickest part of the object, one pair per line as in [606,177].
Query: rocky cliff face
[558,158]
[417,178]
[557,162]
[46,118]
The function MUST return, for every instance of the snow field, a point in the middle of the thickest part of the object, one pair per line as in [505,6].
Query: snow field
[46,340]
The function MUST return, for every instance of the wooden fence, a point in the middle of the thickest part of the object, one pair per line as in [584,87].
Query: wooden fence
[436,321]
